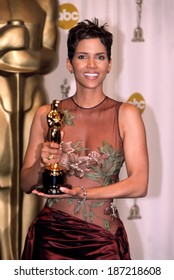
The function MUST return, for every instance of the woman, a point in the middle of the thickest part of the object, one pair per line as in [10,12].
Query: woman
[98,135]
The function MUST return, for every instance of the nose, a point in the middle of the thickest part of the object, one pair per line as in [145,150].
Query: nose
[91,63]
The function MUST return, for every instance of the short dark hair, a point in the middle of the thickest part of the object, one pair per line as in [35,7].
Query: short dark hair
[86,30]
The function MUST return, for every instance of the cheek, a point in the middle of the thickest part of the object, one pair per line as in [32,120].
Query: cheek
[78,68]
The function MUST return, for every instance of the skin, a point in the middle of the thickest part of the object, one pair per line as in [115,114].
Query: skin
[90,65]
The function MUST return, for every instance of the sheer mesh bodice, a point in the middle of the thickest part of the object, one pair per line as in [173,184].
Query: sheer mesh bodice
[93,155]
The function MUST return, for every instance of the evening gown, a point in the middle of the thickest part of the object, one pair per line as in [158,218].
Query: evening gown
[68,229]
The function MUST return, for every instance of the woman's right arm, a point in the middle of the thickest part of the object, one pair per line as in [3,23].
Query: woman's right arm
[31,169]
[37,152]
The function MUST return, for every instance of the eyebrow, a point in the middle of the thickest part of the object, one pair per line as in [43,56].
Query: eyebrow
[95,53]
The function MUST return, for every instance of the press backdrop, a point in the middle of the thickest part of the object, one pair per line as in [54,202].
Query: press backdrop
[143,73]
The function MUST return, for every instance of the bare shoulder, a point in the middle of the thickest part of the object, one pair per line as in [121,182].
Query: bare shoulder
[128,111]
[129,118]
[42,111]
[41,115]
[39,124]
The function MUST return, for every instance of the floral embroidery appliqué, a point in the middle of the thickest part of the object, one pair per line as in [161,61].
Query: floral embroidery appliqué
[102,166]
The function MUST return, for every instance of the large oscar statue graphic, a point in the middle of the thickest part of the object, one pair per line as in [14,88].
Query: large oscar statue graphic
[53,175]
[28,51]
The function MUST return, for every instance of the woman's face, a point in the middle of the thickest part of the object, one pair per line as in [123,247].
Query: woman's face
[90,64]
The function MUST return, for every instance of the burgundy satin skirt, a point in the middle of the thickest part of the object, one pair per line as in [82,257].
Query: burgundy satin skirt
[55,235]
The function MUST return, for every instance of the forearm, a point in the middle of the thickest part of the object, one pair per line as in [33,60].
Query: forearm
[127,188]
[31,177]
[133,186]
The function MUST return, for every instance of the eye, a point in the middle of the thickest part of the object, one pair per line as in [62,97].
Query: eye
[81,56]
[101,57]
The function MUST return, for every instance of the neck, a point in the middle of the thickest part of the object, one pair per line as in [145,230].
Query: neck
[88,101]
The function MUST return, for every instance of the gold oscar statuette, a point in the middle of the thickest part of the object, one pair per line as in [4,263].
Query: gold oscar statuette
[53,175]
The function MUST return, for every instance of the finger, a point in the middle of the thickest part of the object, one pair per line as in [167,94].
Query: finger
[62,135]
[51,149]
[67,191]
[50,157]
[39,193]
[53,145]
[48,148]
